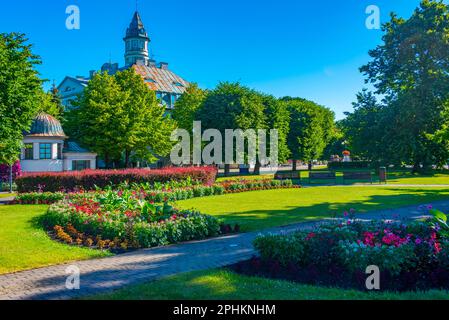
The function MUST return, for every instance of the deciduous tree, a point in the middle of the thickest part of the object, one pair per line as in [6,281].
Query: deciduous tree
[19,88]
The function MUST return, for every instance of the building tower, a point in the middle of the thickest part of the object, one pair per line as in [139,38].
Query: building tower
[136,42]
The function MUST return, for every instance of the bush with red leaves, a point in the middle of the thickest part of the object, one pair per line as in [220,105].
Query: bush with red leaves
[89,179]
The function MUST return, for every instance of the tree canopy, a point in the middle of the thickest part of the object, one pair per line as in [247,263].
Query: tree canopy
[50,103]
[410,71]
[19,88]
[119,116]
[187,106]
[311,129]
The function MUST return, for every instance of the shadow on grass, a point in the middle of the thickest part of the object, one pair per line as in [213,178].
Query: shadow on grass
[257,219]
[391,176]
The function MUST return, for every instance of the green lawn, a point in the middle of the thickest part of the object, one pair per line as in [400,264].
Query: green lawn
[224,285]
[394,177]
[263,209]
[24,245]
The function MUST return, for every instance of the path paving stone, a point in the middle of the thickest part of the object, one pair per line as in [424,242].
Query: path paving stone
[107,274]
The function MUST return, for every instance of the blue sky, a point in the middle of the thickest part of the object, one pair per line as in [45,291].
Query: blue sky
[311,49]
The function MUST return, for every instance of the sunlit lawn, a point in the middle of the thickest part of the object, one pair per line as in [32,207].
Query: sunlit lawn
[24,245]
[394,177]
[224,285]
[264,209]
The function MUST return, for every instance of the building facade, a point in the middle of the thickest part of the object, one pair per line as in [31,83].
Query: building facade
[47,149]
[159,78]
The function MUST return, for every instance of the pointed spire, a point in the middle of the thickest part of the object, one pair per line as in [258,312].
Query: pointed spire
[136,27]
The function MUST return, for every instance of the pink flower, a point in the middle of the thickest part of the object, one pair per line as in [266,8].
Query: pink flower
[437,247]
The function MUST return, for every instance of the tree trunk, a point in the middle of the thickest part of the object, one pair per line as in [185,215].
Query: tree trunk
[310,166]
[106,161]
[227,170]
[295,165]
[257,168]
[10,179]
[127,156]
[416,167]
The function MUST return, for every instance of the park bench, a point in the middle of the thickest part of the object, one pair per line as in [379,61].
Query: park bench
[362,175]
[295,176]
[322,176]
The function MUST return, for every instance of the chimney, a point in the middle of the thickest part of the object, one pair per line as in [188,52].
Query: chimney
[151,63]
[163,65]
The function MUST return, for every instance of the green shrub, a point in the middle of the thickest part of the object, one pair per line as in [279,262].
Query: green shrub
[281,248]
[183,226]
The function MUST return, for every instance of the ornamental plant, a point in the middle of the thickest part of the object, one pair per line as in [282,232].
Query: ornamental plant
[91,179]
[125,220]
[158,193]
[412,255]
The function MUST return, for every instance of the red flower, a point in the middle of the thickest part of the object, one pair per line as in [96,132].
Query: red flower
[310,236]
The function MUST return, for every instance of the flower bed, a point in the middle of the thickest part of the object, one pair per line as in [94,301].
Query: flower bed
[162,193]
[92,179]
[410,256]
[123,221]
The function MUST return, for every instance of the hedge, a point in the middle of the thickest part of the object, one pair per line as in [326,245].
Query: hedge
[159,196]
[90,179]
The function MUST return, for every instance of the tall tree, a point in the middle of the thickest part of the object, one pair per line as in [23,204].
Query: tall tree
[311,130]
[232,106]
[363,128]
[278,117]
[187,106]
[97,119]
[19,89]
[411,69]
[146,130]
[119,116]
[50,104]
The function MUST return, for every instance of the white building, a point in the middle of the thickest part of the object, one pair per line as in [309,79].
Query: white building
[47,149]
[167,85]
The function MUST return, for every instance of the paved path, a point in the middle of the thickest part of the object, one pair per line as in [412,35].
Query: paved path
[104,275]
[7,199]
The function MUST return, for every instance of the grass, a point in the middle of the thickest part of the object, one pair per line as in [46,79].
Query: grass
[263,209]
[24,245]
[225,285]
[396,177]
